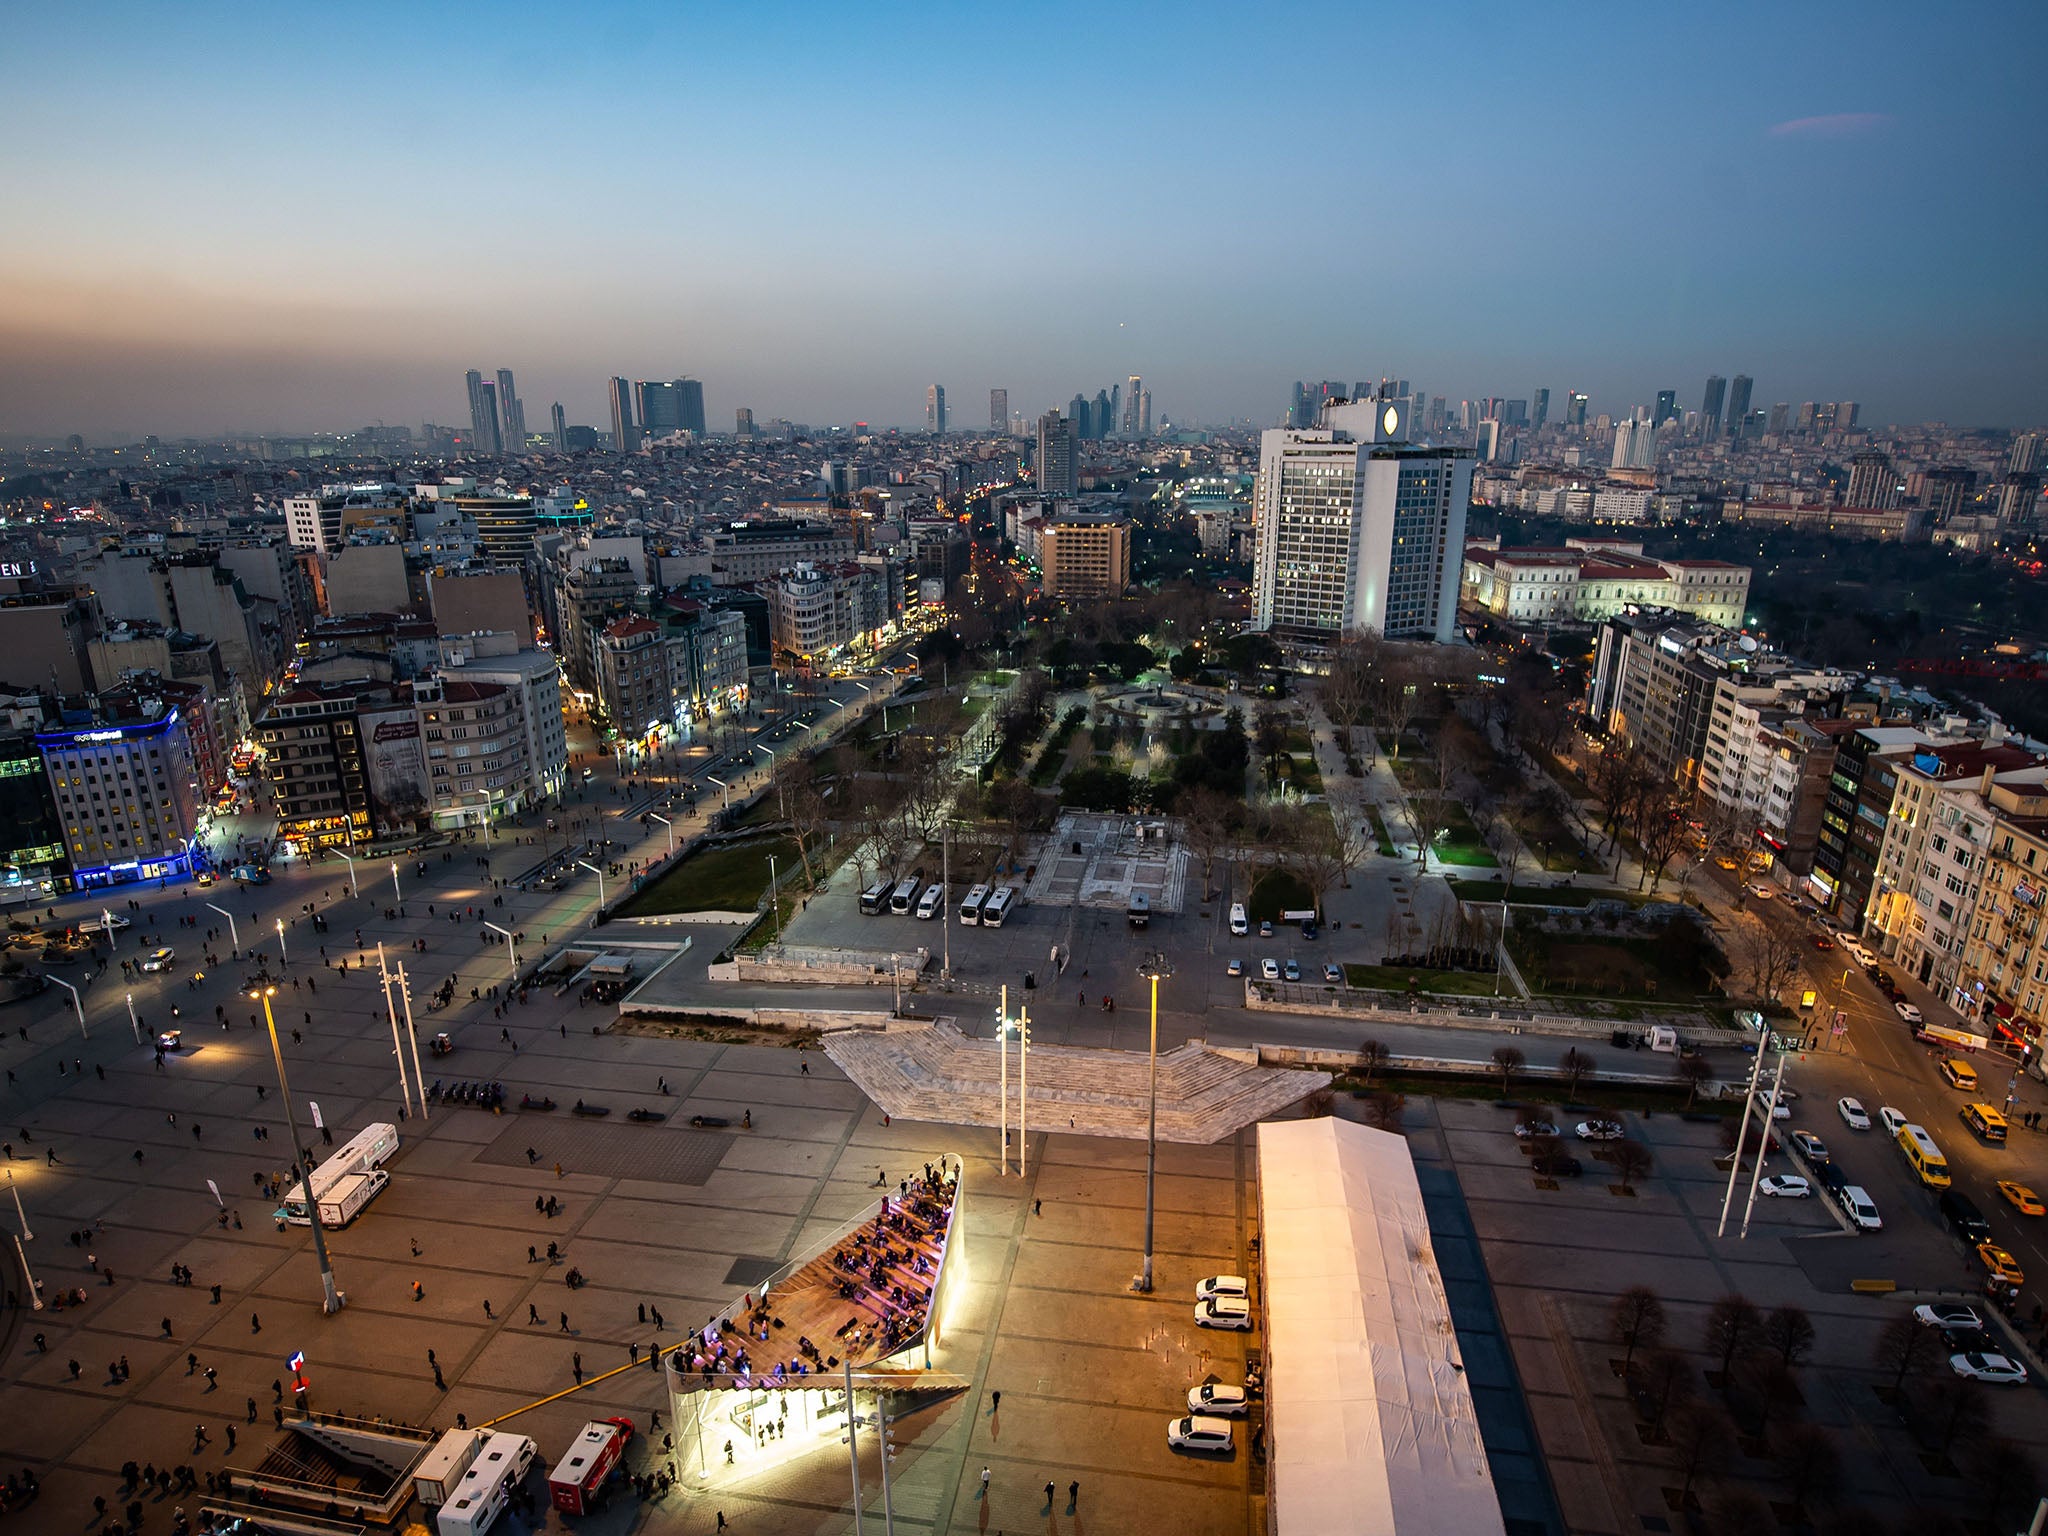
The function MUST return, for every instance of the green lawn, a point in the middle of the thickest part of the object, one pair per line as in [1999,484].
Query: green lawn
[1401,978]
[1414,772]
[1539,896]
[1592,965]
[1277,892]
[728,879]
[1379,831]
[1460,842]
[1303,774]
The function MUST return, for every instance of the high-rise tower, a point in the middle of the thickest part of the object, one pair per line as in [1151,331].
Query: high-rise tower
[560,425]
[624,438]
[999,411]
[1058,466]
[1738,405]
[512,410]
[1710,405]
[1134,389]
[935,409]
[483,415]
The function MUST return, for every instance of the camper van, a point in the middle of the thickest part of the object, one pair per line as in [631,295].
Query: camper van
[486,1488]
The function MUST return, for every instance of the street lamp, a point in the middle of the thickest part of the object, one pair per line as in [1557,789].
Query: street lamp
[234,943]
[727,788]
[600,881]
[395,891]
[351,872]
[1156,967]
[331,1298]
[774,902]
[282,957]
[15,1190]
[511,946]
[133,1022]
[76,1006]
[671,829]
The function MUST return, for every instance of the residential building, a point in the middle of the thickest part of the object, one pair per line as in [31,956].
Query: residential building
[535,679]
[1358,529]
[126,789]
[1635,445]
[815,611]
[35,844]
[1855,812]
[744,553]
[589,597]
[320,521]
[1058,469]
[475,741]
[1872,482]
[1085,555]
[312,741]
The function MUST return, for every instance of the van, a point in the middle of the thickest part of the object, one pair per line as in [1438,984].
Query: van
[1987,1122]
[1963,1217]
[932,902]
[1960,1073]
[1239,923]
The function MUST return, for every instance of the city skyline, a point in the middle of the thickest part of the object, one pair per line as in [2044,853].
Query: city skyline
[1820,214]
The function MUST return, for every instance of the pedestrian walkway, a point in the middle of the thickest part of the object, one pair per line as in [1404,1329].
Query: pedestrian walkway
[934,1073]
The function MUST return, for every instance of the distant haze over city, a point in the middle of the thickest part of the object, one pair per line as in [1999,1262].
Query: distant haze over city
[314,220]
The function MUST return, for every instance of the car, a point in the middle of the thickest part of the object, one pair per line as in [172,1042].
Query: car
[1993,1368]
[203,879]
[1199,1432]
[1598,1130]
[1333,974]
[1810,1146]
[1947,1314]
[170,1040]
[2021,1198]
[1822,942]
[1266,930]
[1270,969]
[1224,1312]
[1852,1113]
[1222,1285]
[1857,1205]
[1894,1121]
[1788,1186]
[1726,863]
[2002,1265]
[1778,1111]
[1832,1179]
[111,920]
[1963,1217]
[1293,970]
[1562,1166]
[1533,1128]
[1235,968]
[160,959]
[1907,1011]
[1759,890]
[1219,1399]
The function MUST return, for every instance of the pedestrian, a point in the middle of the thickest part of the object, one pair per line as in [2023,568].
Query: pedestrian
[1048,1493]
[487,1308]
[531,1256]
[1073,1495]
[255,1323]
[415,1247]
[995,1402]
[419,1293]
[721,1519]
[643,1312]
[212,1378]
[252,1410]
[803,1069]
[231,1435]
[1038,1207]
[576,1367]
[532,1314]
[439,1384]
[984,1484]
[565,1322]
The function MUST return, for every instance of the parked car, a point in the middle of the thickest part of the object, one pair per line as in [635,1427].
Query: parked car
[1598,1130]
[1851,1111]
[1562,1166]
[1786,1185]
[1219,1400]
[1198,1432]
[1224,1312]
[1293,970]
[1235,968]
[1777,1111]
[1333,974]
[1222,1285]
[1907,1011]
[1810,1146]
[1947,1314]
[1269,969]
[1822,942]
[1759,890]
[1992,1368]
[2021,1198]
[1894,1120]
[1532,1128]
[1266,930]
[1832,1179]
[1857,1205]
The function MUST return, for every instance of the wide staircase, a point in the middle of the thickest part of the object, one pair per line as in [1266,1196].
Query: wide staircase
[932,1072]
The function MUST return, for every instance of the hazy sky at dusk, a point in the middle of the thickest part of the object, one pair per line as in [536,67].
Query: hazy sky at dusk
[311,217]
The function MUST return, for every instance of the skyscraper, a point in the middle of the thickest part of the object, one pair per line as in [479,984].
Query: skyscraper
[675,406]
[1358,529]
[1872,482]
[743,422]
[1781,418]
[1102,416]
[1145,415]
[1082,417]
[999,411]
[690,395]
[1575,410]
[624,438]
[2025,456]
[1635,444]
[483,415]
[560,424]
[935,409]
[1541,414]
[513,411]
[1058,463]
[1710,405]
[1738,405]
[1667,408]
[1134,387]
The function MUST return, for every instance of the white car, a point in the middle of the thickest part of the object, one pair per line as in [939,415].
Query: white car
[160,959]
[1947,1314]
[1222,1285]
[1778,1111]
[1894,1121]
[1908,1012]
[1198,1433]
[1760,892]
[1224,1312]
[1529,1128]
[1269,969]
[1598,1130]
[1219,1400]
[111,920]
[1988,1368]
[1860,1208]
[1851,1111]
[1787,1185]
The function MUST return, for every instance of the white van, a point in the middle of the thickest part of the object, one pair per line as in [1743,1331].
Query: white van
[1239,923]
[932,902]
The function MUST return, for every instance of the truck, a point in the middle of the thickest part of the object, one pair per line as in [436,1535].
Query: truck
[481,1494]
[575,1484]
[435,1478]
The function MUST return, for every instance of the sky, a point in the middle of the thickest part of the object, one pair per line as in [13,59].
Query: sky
[316,217]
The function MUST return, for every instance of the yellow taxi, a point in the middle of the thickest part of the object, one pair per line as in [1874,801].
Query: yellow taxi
[2022,1199]
[2002,1265]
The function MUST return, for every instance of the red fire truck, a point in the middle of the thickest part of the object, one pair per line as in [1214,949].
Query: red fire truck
[592,1457]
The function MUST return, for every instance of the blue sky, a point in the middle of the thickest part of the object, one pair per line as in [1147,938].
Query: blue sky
[310,217]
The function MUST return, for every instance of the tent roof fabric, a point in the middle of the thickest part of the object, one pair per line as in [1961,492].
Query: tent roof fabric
[1373,1430]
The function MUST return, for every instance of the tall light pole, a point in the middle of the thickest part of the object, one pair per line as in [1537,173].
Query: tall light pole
[600,881]
[671,829]
[774,901]
[727,788]
[1156,967]
[511,947]
[35,1296]
[331,1298]
[396,893]
[234,943]
[397,1049]
[76,1006]
[282,957]
[133,1022]
[15,1190]
[351,871]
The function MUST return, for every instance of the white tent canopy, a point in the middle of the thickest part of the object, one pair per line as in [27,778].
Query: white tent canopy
[1371,1420]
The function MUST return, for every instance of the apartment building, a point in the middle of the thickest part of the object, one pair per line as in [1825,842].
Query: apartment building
[313,743]
[1085,555]
[474,734]
[126,789]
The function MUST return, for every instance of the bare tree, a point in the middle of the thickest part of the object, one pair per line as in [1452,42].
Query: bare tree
[1785,1340]
[1666,1378]
[1387,1110]
[1695,1071]
[1661,830]
[1701,1438]
[1630,1161]
[1507,1061]
[1575,1064]
[1810,1458]
[1372,1060]
[1905,1349]
[1953,1408]
[1320,851]
[1636,1321]
[1733,1327]
[1208,820]
[1769,958]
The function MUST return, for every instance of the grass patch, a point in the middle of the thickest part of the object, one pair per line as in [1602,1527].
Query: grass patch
[1379,830]
[1054,758]
[1299,742]
[1460,842]
[1401,978]
[1542,1093]
[1277,892]
[1665,969]
[1540,896]
[725,879]
[1414,773]
[1540,829]
[1303,774]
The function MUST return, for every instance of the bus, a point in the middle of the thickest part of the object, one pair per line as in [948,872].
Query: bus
[1924,1155]
[1139,913]
[342,1197]
[970,909]
[905,894]
[997,907]
[486,1488]
[371,1147]
[1987,1122]
[874,898]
